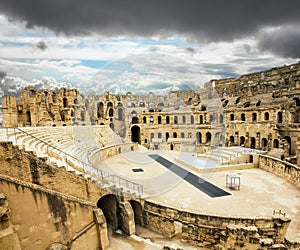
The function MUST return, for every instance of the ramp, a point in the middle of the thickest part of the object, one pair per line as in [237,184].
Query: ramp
[203,185]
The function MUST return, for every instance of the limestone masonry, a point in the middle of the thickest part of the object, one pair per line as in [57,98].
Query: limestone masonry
[53,143]
[258,110]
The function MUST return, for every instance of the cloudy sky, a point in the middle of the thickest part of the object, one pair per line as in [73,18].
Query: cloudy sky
[140,45]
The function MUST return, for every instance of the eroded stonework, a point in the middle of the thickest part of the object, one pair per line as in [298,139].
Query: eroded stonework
[259,110]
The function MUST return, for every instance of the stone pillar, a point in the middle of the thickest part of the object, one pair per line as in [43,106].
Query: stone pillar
[298,151]
[9,111]
[101,228]
[257,140]
[126,218]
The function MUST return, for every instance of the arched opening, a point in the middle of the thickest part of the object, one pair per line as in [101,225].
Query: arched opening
[275,143]
[183,119]
[201,119]
[138,212]
[151,136]
[279,117]
[28,118]
[208,137]
[109,205]
[144,120]
[151,120]
[159,135]
[159,119]
[192,119]
[242,140]
[167,119]
[199,137]
[111,112]
[243,117]
[120,112]
[231,117]
[172,147]
[175,119]
[252,142]
[221,119]
[182,135]
[167,136]
[251,158]
[266,116]
[231,139]
[211,118]
[264,142]
[65,102]
[100,110]
[136,134]
[254,117]
[174,135]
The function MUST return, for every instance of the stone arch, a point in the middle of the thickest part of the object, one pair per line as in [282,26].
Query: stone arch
[159,119]
[136,134]
[192,119]
[138,212]
[208,137]
[100,110]
[201,119]
[167,119]
[279,117]
[221,118]
[264,142]
[275,143]
[252,142]
[199,137]
[243,117]
[109,205]
[144,119]
[266,116]
[28,117]
[242,140]
[65,102]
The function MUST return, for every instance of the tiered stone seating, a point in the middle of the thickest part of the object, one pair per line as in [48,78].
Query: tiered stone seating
[68,147]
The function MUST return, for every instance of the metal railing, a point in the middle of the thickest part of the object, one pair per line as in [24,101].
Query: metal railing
[105,177]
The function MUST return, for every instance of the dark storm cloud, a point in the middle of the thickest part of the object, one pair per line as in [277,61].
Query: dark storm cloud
[42,45]
[213,20]
[283,41]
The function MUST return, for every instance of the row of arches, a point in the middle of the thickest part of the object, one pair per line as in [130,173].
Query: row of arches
[112,211]
[184,119]
[183,135]
[266,117]
[264,142]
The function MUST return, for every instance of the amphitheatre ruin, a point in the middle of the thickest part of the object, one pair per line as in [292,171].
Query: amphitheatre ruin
[216,167]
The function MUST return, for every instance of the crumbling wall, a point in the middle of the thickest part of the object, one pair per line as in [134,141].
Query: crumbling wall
[215,232]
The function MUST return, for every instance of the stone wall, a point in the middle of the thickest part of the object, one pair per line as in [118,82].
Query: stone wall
[42,217]
[280,168]
[28,168]
[213,231]
[111,151]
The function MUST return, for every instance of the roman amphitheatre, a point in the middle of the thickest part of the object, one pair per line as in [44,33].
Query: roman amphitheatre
[210,168]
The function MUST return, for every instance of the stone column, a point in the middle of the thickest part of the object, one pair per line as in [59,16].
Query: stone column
[101,228]
[9,111]
[126,218]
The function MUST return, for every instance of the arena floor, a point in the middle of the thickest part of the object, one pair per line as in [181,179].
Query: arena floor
[260,194]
